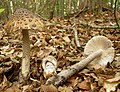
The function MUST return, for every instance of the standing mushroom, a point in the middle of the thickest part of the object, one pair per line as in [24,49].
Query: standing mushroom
[24,20]
[99,49]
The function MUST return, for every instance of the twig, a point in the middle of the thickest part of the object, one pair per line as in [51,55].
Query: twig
[34,80]
[97,27]
[76,37]
[61,77]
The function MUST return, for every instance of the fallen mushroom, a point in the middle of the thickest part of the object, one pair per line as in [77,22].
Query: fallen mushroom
[24,20]
[49,65]
[102,50]
[102,43]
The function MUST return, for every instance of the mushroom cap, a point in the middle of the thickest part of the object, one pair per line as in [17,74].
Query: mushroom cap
[50,59]
[49,65]
[100,42]
[49,70]
[23,19]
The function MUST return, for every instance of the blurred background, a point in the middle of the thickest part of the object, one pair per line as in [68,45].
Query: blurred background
[56,8]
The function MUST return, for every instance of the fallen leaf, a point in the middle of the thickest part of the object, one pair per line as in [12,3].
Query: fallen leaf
[111,84]
[65,89]
[84,85]
[14,88]
[66,39]
[48,88]
[5,84]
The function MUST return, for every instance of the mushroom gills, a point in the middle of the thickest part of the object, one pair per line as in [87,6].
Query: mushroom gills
[100,42]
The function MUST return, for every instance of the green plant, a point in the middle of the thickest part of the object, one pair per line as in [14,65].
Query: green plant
[1,10]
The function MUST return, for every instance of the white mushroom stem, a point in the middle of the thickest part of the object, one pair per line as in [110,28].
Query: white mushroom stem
[65,74]
[26,54]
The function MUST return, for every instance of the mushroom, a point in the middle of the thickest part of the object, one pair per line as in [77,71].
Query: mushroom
[99,49]
[24,20]
[49,65]
[104,46]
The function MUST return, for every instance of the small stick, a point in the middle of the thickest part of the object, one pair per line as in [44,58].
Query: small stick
[61,77]
[96,26]
[76,37]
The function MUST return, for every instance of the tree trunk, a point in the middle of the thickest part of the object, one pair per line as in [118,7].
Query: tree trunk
[52,8]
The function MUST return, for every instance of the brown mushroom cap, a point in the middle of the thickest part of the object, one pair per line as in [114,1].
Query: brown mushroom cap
[100,42]
[23,19]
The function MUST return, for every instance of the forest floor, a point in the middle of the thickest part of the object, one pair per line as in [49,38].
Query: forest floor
[58,40]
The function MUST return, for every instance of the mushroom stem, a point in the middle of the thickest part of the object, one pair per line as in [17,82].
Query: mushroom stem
[65,74]
[87,60]
[26,54]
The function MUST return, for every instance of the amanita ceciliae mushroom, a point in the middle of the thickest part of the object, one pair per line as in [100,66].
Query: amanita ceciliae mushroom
[24,20]
[103,46]
[98,50]
[49,65]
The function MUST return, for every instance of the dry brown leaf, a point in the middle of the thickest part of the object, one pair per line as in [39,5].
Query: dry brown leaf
[66,39]
[102,90]
[111,84]
[1,34]
[73,81]
[65,89]
[84,85]
[48,88]
[58,40]
[5,84]
[61,53]
[14,88]
[27,88]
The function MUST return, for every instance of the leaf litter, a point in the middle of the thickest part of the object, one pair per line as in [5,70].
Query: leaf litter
[58,40]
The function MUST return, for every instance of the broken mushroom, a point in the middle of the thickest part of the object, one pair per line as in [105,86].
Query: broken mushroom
[98,48]
[24,20]
[49,65]
[102,45]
